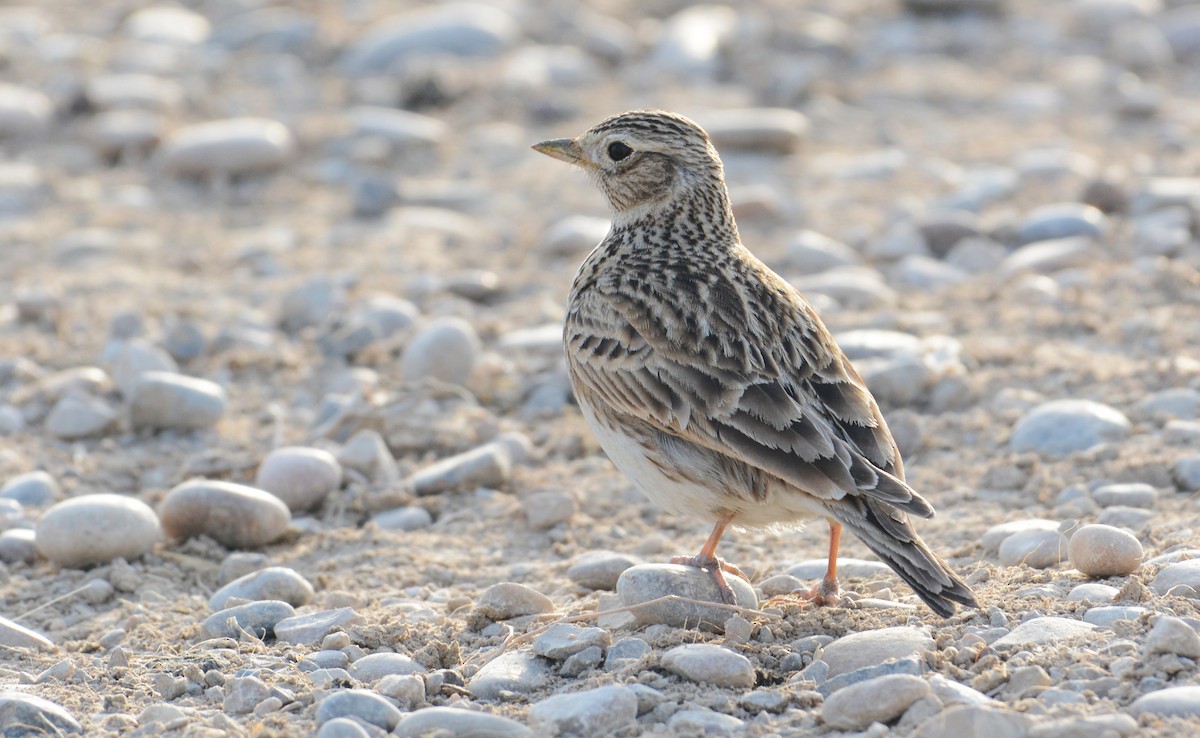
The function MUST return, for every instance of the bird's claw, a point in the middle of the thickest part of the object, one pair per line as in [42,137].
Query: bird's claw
[717,570]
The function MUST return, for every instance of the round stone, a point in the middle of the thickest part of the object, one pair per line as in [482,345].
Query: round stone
[31,489]
[17,546]
[1038,549]
[564,640]
[1169,702]
[23,110]
[233,146]
[273,583]
[452,29]
[256,618]
[1043,630]
[1104,551]
[1063,427]
[607,710]
[165,400]
[1181,579]
[600,569]
[79,416]
[456,721]
[1125,495]
[640,585]
[878,700]
[708,663]
[301,477]
[1062,220]
[403,518]
[359,703]
[511,600]
[95,529]
[24,714]
[445,350]
[234,515]
[868,648]
[373,667]
[1173,635]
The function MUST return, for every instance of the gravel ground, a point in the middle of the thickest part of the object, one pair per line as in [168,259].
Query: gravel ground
[286,440]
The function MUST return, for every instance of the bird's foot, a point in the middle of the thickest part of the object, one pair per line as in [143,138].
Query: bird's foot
[717,570]
[824,593]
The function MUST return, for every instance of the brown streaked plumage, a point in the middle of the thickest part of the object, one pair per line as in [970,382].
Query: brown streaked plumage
[710,381]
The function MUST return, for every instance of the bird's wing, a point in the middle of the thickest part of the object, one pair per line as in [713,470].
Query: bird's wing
[786,401]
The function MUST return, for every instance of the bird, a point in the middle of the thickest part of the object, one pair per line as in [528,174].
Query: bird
[711,382]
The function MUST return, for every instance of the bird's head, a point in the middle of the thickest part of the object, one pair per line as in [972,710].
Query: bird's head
[644,159]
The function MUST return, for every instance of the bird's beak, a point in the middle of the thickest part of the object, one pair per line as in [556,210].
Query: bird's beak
[565,149]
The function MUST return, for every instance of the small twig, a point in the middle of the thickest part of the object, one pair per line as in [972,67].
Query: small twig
[78,590]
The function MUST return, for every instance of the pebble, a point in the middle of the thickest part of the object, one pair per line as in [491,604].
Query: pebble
[165,400]
[489,466]
[258,618]
[1181,25]
[1127,495]
[1092,592]
[1062,220]
[446,350]
[128,360]
[872,647]
[24,714]
[1044,257]
[399,127]
[975,720]
[272,583]
[342,728]
[901,239]
[233,146]
[167,24]
[239,564]
[603,710]
[811,253]
[1181,579]
[367,453]
[17,546]
[1042,630]
[1120,516]
[847,567]
[563,640]
[544,510]
[516,671]
[853,287]
[1170,702]
[692,38]
[403,518]
[1112,726]
[1039,549]
[460,721]
[976,255]
[626,652]
[879,700]
[697,722]
[359,703]
[243,694]
[1104,617]
[707,663]
[647,582]
[23,111]
[408,690]
[32,489]
[301,477]
[234,515]
[1063,427]
[15,635]
[1172,635]
[125,133]
[764,130]
[1104,551]
[11,420]
[95,529]
[600,569]
[572,236]
[311,627]
[311,302]
[1187,473]
[1178,402]
[512,600]
[75,417]
[454,29]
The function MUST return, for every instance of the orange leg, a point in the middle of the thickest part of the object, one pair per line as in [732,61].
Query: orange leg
[708,561]
[826,592]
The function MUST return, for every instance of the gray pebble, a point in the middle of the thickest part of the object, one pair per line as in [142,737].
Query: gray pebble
[544,510]
[234,515]
[1169,702]
[1128,495]
[11,420]
[854,287]
[367,453]
[95,529]
[257,618]
[511,600]
[768,130]
[847,567]
[32,489]
[1062,220]
[329,678]
[515,671]
[1177,402]
[586,660]
[811,252]
[1062,427]
[301,477]
[1187,473]
[976,255]
[707,663]
[75,417]
[273,583]
[692,38]
[564,639]
[17,546]
[1181,24]
[445,349]
[24,714]
[487,466]
[571,236]
[868,648]
[15,635]
[882,700]
[1114,725]
[1180,579]
[1039,549]
[401,128]
[164,400]
[925,272]
[901,239]
[600,569]
[242,694]
[233,146]
[627,652]
[457,29]
[1120,516]
[827,685]
[373,667]
[408,690]
[1042,630]
[1105,616]
[599,711]
[648,582]
[403,518]
[460,722]
[128,360]
[975,720]
[311,302]
[1092,592]
[1172,635]
[342,728]
[1104,551]
[361,704]
[1043,257]
[240,563]
[705,722]
[311,627]
[765,700]
[23,111]
[121,133]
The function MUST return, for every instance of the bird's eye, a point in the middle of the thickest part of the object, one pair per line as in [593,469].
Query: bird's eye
[618,151]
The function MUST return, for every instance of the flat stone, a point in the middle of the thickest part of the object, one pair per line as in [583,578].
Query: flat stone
[487,466]
[995,535]
[1045,257]
[600,569]
[455,29]
[445,349]
[1105,616]
[234,515]
[75,417]
[565,639]
[1062,220]
[705,723]
[301,477]
[17,546]
[359,703]
[854,287]
[373,667]
[1043,630]
[627,652]
[168,25]
[570,236]
[512,600]
[342,728]
[869,648]
[1181,579]
[272,583]
[32,489]
[1088,726]
[707,663]
[600,711]
[460,722]
[769,130]
[23,111]
[1038,549]
[879,700]
[1104,551]
[116,133]
[1170,702]
[1120,516]
[399,127]
[15,635]
[975,720]
[647,582]
[234,146]
[1187,473]
[408,518]
[1092,592]
[811,252]
[243,694]
[1127,495]
[127,360]
[1062,427]
[24,714]
[544,510]
[164,400]
[1177,402]
[95,529]
[310,628]
[691,40]
[258,618]
[1172,635]
[909,665]
[516,671]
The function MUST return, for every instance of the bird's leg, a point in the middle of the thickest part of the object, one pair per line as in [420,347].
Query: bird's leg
[826,592]
[708,561]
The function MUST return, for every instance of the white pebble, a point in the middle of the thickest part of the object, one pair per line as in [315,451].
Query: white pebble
[273,583]
[234,515]
[164,400]
[31,489]
[600,711]
[79,416]
[868,648]
[95,529]
[1039,549]
[1104,551]
[878,700]
[23,111]
[487,466]
[1172,635]
[648,582]
[232,146]
[301,477]
[511,600]
[1039,631]
[1062,427]
[446,350]
[1181,579]
[1170,702]
[707,663]
[460,722]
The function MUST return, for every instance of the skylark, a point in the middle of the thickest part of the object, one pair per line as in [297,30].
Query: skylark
[711,382]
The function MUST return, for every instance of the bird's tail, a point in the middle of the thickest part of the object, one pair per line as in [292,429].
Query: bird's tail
[888,533]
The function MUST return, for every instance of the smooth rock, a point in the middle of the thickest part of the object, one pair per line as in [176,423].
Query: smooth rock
[544,510]
[1062,427]
[1104,617]
[399,127]
[234,515]
[1092,592]
[128,360]
[1177,402]
[359,703]
[75,417]
[1119,516]
[626,652]
[17,546]
[234,146]
[1181,25]
[600,711]
[975,720]
[445,350]
[167,24]
[23,714]
[879,700]
[272,583]
[1044,257]
[373,667]
[23,111]
[575,234]
[827,685]
[32,489]
[565,639]
[1181,579]
[1183,701]
[1042,630]
[976,255]
[301,477]
[512,600]
[460,722]
[692,39]
[1062,220]
[1115,725]
[707,663]
[408,690]
[163,400]
[1104,551]
[1127,495]
[403,518]
[257,618]
[847,567]
[869,648]
[811,252]
[600,569]
[1187,473]
[1172,635]
[311,302]
[311,627]
[108,92]
[767,130]
[698,722]
[95,529]
[118,133]
[854,287]
[647,582]
[515,671]
[243,694]
[1039,549]
[342,728]
[15,635]
[454,29]
[489,466]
